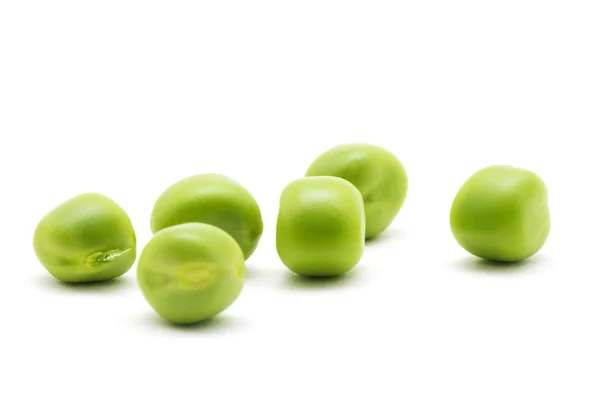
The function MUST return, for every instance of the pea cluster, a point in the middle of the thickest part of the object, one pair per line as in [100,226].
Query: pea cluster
[206,226]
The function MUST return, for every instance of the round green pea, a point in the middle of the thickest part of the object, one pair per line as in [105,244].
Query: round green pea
[377,174]
[87,238]
[320,226]
[214,199]
[501,214]
[191,272]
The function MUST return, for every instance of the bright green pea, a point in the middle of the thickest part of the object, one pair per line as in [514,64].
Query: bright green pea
[214,199]
[501,214]
[377,173]
[87,238]
[191,272]
[320,226]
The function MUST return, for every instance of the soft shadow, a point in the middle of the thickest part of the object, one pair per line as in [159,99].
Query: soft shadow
[253,273]
[49,283]
[388,235]
[263,275]
[219,323]
[488,266]
[297,281]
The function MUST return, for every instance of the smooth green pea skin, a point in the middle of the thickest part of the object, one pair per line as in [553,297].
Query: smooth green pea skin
[87,238]
[191,272]
[501,214]
[214,199]
[320,226]
[376,172]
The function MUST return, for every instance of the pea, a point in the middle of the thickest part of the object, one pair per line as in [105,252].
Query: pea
[214,199]
[377,174]
[87,238]
[501,213]
[320,226]
[191,272]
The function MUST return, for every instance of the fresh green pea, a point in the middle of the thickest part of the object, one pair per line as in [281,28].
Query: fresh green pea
[214,199]
[191,272]
[87,238]
[377,174]
[320,226]
[501,214]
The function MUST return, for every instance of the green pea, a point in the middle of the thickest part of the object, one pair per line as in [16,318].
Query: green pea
[191,272]
[214,199]
[320,226]
[501,214]
[377,173]
[87,238]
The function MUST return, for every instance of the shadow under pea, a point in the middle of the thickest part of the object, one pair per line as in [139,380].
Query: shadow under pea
[52,284]
[219,323]
[475,264]
[297,281]
[386,236]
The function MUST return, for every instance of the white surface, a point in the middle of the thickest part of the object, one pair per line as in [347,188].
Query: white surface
[126,97]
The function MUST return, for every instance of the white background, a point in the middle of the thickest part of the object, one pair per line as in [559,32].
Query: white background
[126,97]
